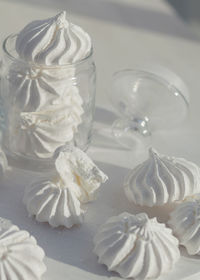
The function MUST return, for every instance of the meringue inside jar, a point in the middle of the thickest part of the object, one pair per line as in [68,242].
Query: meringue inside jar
[47,91]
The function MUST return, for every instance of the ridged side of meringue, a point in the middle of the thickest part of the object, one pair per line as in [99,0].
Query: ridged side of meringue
[55,202]
[53,41]
[136,246]
[38,89]
[59,199]
[75,164]
[20,256]
[39,134]
[185,223]
[162,179]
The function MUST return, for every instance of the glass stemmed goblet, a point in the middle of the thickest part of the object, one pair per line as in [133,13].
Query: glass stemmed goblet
[146,101]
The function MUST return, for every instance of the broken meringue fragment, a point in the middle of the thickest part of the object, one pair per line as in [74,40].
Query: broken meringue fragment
[59,200]
[162,179]
[185,224]
[73,163]
[136,247]
[20,256]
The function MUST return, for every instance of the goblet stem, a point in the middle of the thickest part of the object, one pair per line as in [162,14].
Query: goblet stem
[131,133]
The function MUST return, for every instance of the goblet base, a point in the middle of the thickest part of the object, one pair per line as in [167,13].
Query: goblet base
[130,133]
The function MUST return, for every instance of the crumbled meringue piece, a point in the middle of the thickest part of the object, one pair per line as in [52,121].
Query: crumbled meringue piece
[73,163]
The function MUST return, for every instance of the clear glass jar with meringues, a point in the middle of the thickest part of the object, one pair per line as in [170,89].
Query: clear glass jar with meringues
[48,81]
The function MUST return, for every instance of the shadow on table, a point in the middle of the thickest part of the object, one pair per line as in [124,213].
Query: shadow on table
[123,14]
[105,148]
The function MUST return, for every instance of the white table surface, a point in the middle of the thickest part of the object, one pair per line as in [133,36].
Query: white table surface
[126,34]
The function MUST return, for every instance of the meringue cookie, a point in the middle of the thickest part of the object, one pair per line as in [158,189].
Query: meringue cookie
[185,223]
[39,89]
[54,41]
[59,200]
[20,256]
[39,134]
[54,201]
[162,179]
[45,108]
[136,246]
[75,164]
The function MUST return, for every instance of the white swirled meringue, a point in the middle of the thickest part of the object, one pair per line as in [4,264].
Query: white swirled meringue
[54,201]
[185,223]
[162,179]
[44,106]
[20,256]
[54,41]
[136,246]
[59,200]
[39,134]
[75,164]
[37,89]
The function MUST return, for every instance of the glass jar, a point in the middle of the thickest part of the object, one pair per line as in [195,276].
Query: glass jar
[44,107]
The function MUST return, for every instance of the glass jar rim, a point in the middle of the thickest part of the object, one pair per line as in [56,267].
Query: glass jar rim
[66,65]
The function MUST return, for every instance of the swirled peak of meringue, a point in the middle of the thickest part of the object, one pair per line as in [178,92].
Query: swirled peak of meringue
[162,179]
[136,247]
[53,41]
